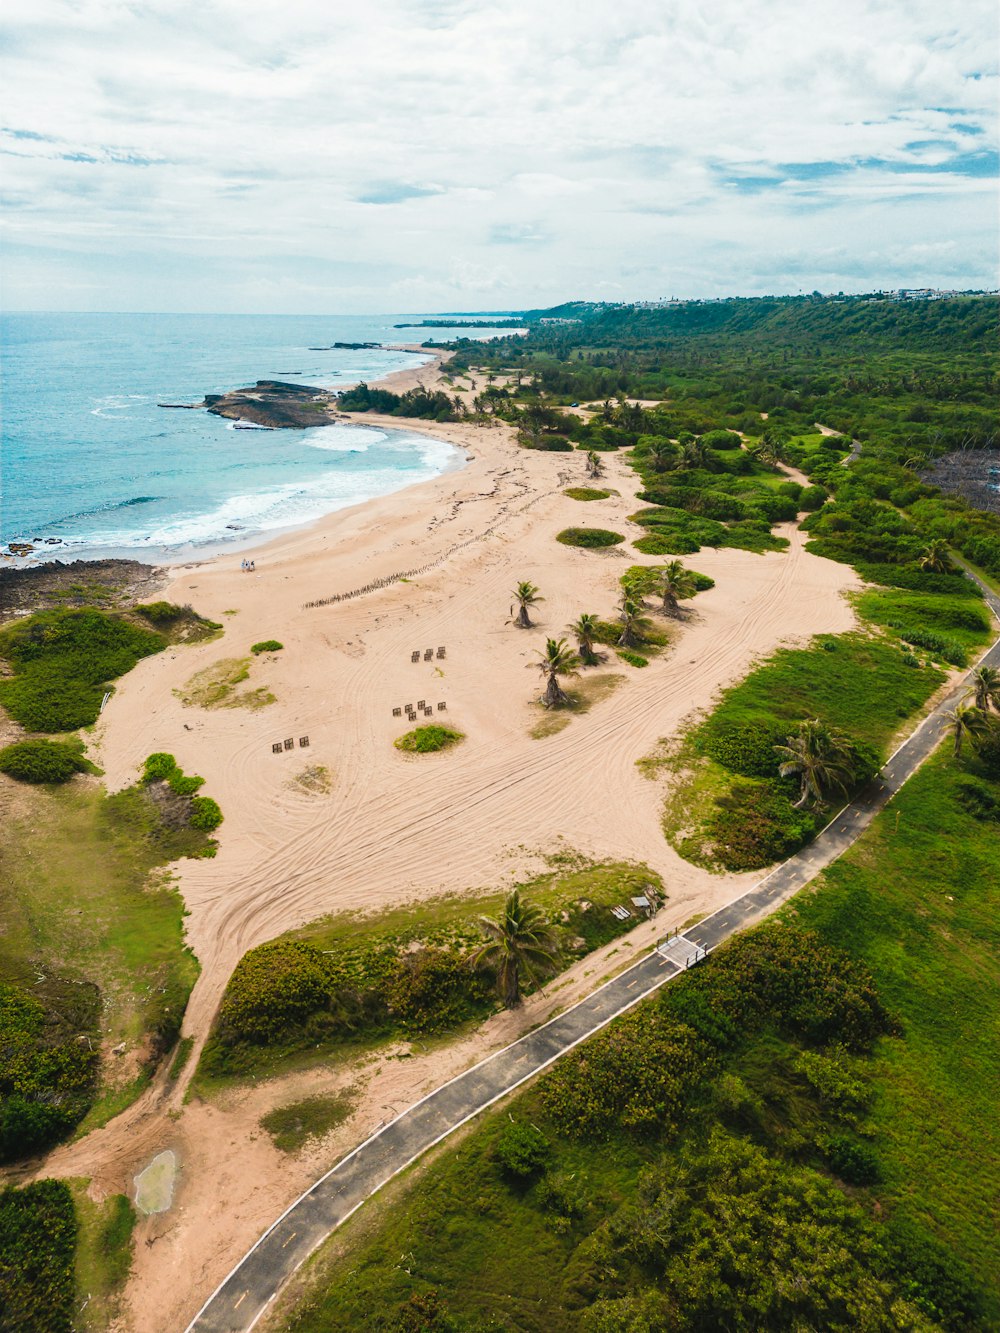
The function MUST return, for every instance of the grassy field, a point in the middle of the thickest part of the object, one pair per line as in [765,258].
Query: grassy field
[445,923]
[916,900]
[103,1256]
[84,902]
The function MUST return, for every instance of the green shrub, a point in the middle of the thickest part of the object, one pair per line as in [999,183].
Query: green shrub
[161,613]
[424,740]
[935,1277]
[159,767]
[522,1150]
[747,749]
[434,990]
[38,1232]
[41,761]
[632,658]
[47,1075]
[852,1159]
[274,987]
[266,646]
[755,825]
[205,814]
[589,538]
[586,493]
[63,661]
[667,543]
[813,497]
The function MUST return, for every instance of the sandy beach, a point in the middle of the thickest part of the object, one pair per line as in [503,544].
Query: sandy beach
[395,828]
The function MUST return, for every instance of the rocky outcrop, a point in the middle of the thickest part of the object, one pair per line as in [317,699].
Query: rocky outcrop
[276,404]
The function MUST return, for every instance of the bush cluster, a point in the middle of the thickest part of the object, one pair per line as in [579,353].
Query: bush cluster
[425,740]
[42,761]
[38,1231]
[288,990]
[754,824]
[47,1075]
[203,813]
[590,539]
[266,646]
[63,661]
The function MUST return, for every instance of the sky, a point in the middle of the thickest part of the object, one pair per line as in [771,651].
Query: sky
[440,155]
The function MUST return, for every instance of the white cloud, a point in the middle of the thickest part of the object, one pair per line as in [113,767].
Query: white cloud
[505,151]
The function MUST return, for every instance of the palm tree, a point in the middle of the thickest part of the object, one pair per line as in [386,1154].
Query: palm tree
[674,584]
[595,468]
[584,629]
[935,558]
[661,455]
[985,688]
[519,944]
[557,660]
[967,724]
[526,595]
[632,621]
[819,758]
[694,454]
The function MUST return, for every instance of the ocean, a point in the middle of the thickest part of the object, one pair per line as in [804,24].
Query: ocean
[87,456]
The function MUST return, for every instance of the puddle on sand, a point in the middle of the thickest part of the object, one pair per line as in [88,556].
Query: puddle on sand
[154,1185]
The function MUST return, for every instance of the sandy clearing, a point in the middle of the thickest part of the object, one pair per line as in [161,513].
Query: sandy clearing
[396,827]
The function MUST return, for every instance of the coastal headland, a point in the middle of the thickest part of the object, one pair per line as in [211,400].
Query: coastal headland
[389,830]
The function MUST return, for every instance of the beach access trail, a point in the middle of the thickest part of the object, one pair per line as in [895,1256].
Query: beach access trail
[385,828]
[245,1294]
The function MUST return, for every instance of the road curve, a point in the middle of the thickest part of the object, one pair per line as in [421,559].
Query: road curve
[242,1298]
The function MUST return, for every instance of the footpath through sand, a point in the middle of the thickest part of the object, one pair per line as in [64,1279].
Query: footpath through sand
[391,827]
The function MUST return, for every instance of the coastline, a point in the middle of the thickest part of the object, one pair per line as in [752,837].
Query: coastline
[391,828]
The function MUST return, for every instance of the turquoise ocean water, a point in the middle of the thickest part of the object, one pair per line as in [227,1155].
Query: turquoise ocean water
[88,456]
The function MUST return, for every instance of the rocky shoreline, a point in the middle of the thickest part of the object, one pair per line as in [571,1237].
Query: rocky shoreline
[109,583]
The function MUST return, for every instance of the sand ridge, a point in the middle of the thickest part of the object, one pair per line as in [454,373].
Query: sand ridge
[395,827]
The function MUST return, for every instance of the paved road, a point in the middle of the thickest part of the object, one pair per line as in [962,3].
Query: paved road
[245,1294]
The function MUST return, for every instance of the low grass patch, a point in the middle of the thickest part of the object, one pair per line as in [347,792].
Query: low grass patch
[179,624]
[426,740]
[266,646]
[86,901]
[291,1127]
[64,661]
[591,539]
[316,780]
[216,687]
[366,952]
[586,493]
[585,692]
[945,629]
[103,1256]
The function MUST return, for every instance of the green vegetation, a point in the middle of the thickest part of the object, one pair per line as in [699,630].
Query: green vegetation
[734,808]
[44,761]
[526,595]
[591,539]
[63,662]
[586,493]
[347,983]
[520,947]
[38,1233]
[291,1127]
[425,740]
[419,402]
[215,687]
[103,1256]
[83,909]
[713,1159]
[266,646]
[557,659]
[180,624]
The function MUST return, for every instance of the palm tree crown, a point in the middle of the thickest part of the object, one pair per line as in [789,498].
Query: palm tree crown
[519,944]
[967,723]
[984,688]
[632,621]
[674,584]
[526,595]
[557,660]
[935,558]
[819,758]
[584,630]
[595,467]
